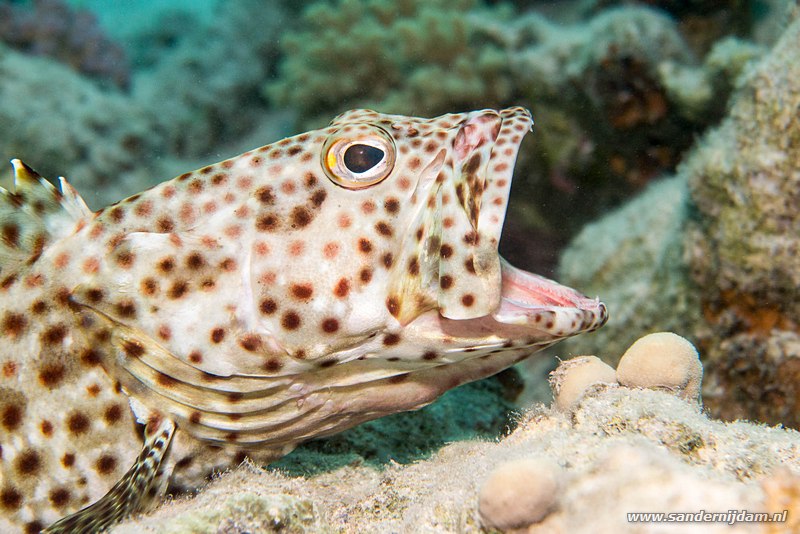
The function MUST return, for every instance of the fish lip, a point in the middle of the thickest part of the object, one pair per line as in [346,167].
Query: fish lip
[531,300]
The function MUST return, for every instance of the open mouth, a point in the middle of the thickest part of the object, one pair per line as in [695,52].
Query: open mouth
[528,299]
[523,300]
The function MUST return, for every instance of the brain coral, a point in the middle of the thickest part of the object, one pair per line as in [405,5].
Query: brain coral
[413,57]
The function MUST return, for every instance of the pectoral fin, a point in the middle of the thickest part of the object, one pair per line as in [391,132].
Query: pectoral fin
[135,492]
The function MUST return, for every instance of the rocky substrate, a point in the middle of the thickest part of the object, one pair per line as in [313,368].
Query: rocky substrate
[613,442]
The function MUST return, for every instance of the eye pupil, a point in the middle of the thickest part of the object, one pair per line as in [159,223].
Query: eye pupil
[361,158]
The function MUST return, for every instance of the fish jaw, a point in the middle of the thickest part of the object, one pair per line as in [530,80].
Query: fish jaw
[534,312]
[461,219]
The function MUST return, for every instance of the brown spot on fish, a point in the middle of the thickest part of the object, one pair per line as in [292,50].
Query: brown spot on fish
[68,460]
[388,260]
[267,222]
[90,357]
[195,261]
[301,217]
[10,498]
[468,300]
[365,275]
[217,335]
[149,287]
[166,265]
[330,325]
[302,291]
[105,464]
[28,462]
[391,339]
[50,375]
[318,197]
[113,413]
[133,349]
[178,289]
[364,245]
[384,228]
[391,205]
[446,282]
[9,370]
[446,251]
[11,235]
[195,356]
[290,320]
[165,225]
[78,423]
[46,427]
[268,306]
[14,324]
[393,305]
[250,342]
[94,295]
[54,335]
[342,288]
[413,266]
[469,265]
[126,309]
[273,365]
[60,497]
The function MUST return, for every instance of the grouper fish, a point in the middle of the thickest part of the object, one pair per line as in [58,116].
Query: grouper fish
[284,294]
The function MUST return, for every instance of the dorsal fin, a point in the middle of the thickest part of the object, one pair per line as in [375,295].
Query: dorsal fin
[34,215]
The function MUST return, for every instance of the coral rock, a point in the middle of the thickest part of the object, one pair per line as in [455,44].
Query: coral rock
[520,492]
[662,360]
[573,377]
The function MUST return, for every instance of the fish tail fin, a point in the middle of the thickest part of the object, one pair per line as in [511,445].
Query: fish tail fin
[135,492]
[34,215]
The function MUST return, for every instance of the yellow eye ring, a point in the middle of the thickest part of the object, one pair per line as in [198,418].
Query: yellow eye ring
[358,159]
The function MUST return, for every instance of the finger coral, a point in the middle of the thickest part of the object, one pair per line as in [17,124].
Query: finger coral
[51,28]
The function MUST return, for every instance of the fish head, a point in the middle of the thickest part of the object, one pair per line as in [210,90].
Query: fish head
[373,238]
[397,240]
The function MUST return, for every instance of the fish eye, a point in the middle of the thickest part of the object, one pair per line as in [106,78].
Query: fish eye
[359,159]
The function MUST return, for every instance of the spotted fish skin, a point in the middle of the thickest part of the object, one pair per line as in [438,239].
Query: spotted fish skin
[287,293]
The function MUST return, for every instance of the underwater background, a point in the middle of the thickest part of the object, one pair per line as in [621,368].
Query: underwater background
[663,174]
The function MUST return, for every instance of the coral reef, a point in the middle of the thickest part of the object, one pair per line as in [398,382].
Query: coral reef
[412,57]
[717,258]
[650,449]
[95,137]
[199,100]
[744,245]
[112,144]
[51,28]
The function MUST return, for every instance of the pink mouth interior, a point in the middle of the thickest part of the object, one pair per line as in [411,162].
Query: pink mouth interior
[525,290]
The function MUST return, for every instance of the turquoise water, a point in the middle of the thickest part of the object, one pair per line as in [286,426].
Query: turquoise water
[119,96]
